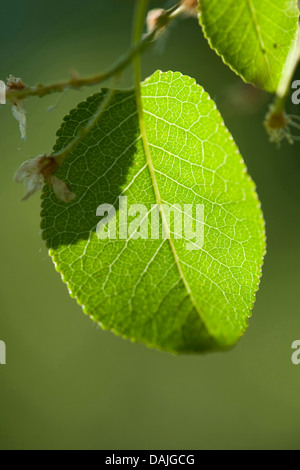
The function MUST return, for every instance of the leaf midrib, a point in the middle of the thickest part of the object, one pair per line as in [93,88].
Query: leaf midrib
[259,36]
[159,202]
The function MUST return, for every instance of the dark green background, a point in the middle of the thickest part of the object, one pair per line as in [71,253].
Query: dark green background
[67,384]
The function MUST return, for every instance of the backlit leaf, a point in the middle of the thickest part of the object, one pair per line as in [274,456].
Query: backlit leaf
[157,291]
[256,38]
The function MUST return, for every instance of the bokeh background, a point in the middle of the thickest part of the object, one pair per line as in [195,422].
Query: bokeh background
[69,385]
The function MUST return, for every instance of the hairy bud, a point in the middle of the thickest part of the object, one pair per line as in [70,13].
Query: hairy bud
[38,170]
[18,108]
[190,6]
[156,19]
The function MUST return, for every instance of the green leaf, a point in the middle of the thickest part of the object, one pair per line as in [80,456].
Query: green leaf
[256,38]
[157,291]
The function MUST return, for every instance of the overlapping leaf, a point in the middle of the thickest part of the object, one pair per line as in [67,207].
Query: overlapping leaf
[256,38]
[157,291]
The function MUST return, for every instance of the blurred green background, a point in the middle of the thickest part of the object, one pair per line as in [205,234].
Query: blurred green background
[69,385]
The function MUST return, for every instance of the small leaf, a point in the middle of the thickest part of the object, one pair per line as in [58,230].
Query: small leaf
[256,38]
[158,291]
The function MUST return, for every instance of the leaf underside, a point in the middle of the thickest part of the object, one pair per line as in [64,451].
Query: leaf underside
[256,38]
[156,291]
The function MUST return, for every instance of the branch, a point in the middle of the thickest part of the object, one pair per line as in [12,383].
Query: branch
[17,91]
[42,168]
